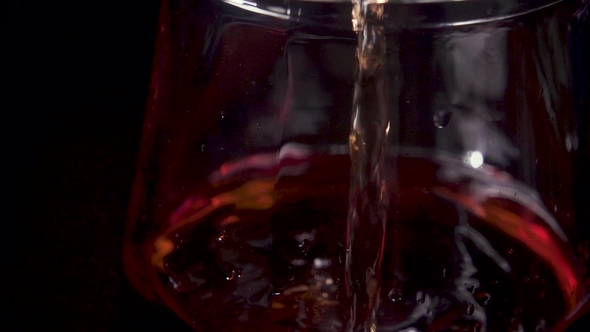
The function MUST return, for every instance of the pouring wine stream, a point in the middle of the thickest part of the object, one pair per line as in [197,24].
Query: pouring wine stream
[369,198]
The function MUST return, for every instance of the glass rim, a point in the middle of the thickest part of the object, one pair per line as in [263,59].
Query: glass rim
[402,14]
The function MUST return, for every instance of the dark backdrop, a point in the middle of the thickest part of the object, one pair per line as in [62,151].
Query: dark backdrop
[75,82]
[75,85]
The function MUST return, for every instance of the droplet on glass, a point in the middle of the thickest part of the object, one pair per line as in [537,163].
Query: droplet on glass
[202,147]
[470,309]
[395,295]
[441,118]
[220,235]
[229,270]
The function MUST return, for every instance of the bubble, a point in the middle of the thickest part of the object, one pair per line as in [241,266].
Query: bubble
[229,270]
[319,263]
[304,245]
[510,251]
[239,272]
[441,118]
[298,262]
[475,159]
[395,295]
[470,309]
[220,235]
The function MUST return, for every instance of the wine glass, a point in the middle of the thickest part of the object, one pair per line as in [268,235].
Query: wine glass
[452,196]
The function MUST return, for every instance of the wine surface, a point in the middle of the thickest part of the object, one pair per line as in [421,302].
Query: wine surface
[262,247]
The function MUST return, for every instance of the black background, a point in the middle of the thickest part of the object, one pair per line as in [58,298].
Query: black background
[76,77]
[75,86]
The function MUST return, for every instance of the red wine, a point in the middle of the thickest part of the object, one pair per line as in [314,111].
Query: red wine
[262,247]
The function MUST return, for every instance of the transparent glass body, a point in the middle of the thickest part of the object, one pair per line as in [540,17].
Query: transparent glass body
[241,206]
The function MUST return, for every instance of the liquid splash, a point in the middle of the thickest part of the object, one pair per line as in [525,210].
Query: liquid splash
[369,198]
